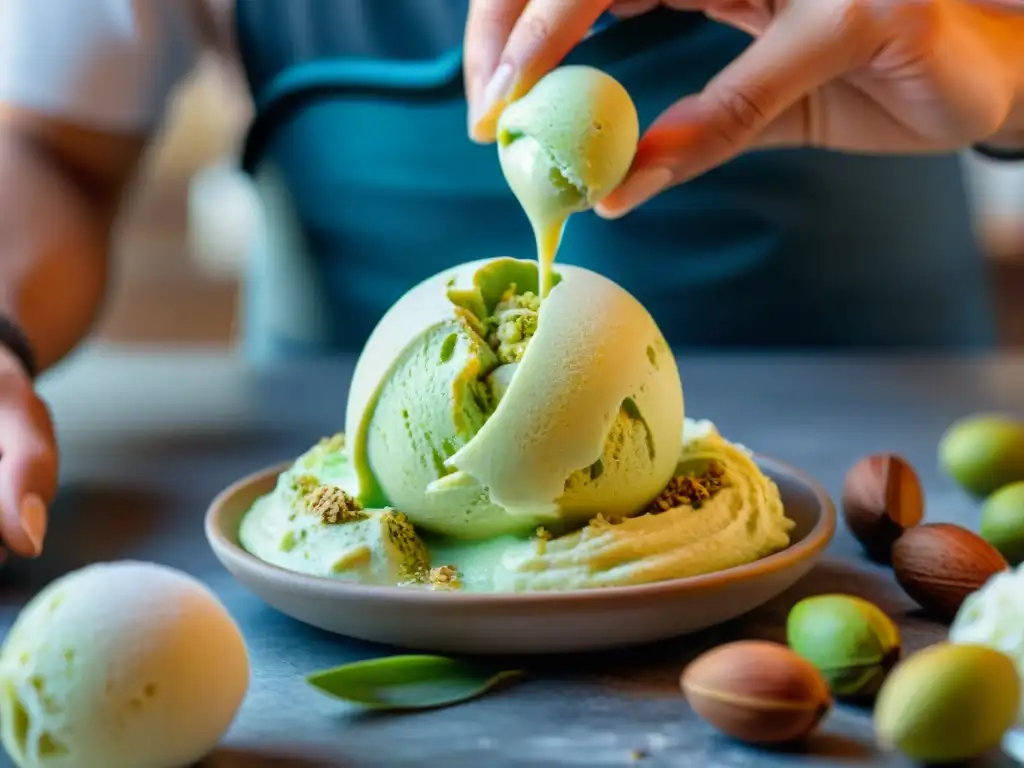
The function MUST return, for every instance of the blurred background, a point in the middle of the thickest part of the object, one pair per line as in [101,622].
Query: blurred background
[182,237]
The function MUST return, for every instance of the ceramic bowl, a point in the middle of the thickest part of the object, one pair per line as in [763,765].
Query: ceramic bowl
[531,623]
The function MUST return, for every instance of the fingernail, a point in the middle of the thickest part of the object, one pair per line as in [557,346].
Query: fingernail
[473,96]
[640,187]
[497,90]
[33,520]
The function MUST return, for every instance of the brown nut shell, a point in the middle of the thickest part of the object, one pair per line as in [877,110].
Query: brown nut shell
[940,564]
[882,497]
[757,691]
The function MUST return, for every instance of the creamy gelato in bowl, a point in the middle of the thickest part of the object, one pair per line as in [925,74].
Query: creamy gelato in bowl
[363,602]
[498,444]
[718,511]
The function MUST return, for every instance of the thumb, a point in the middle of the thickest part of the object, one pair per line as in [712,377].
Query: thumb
[28,474]
[804,47]
[541,35]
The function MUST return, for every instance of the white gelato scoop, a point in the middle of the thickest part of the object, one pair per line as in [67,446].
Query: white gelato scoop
[120,665]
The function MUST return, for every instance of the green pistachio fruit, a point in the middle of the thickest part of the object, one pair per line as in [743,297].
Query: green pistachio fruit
[948,703]
[983,453]
[851,642]
[1002,522]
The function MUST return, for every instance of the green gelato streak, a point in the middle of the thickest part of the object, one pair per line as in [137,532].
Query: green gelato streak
[436,397]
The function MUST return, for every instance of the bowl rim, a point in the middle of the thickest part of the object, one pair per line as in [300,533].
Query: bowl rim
[228,551]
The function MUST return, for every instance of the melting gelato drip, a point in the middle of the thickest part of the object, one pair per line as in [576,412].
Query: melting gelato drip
[563,147]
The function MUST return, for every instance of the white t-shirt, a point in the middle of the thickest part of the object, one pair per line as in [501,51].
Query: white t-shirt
[108,64]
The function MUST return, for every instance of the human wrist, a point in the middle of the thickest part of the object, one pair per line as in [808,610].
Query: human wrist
[16,353]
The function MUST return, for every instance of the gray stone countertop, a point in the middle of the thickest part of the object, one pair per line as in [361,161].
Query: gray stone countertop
[149,437]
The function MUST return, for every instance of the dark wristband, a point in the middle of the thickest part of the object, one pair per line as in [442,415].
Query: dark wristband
[14,339]
[1002,154]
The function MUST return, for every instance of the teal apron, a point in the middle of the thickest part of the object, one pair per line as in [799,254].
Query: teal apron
[359,150]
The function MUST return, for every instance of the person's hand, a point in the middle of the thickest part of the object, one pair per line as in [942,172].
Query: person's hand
[28,460]
[872,76]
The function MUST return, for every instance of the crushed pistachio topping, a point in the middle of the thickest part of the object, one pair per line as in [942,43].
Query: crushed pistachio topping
[333,506]
[333,443]
[692,491]
[543,537]
[513,324]
[326,449]
[445,577]
[414,560]
[599,522]
[304,484]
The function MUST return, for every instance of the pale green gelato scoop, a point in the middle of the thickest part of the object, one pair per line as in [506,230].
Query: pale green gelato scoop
[564,146]
[477,411]
[568,142]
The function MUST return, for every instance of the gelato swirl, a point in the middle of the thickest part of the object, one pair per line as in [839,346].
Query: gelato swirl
[739,521]
[718,511]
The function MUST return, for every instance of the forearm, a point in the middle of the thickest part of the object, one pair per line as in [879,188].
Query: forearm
[56,212]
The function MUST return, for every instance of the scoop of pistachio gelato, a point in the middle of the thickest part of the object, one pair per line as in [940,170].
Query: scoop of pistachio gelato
[568,142]
[478,411]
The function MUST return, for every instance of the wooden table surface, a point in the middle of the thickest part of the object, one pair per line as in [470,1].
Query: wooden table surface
[148,438]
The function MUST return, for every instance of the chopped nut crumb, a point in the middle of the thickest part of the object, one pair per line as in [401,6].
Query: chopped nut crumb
[445,577]
[335,442]
[684,490]
[513,324]
[304,484]
[413,558]
[333,505]
[543,537]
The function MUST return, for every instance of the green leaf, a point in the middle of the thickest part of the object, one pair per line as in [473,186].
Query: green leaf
[409,682]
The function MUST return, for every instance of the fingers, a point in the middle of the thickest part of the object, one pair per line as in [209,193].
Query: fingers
[28,471]
[1014,7]
[627,9]
[805,47]
[842,117]
[544,32]
[488,26]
